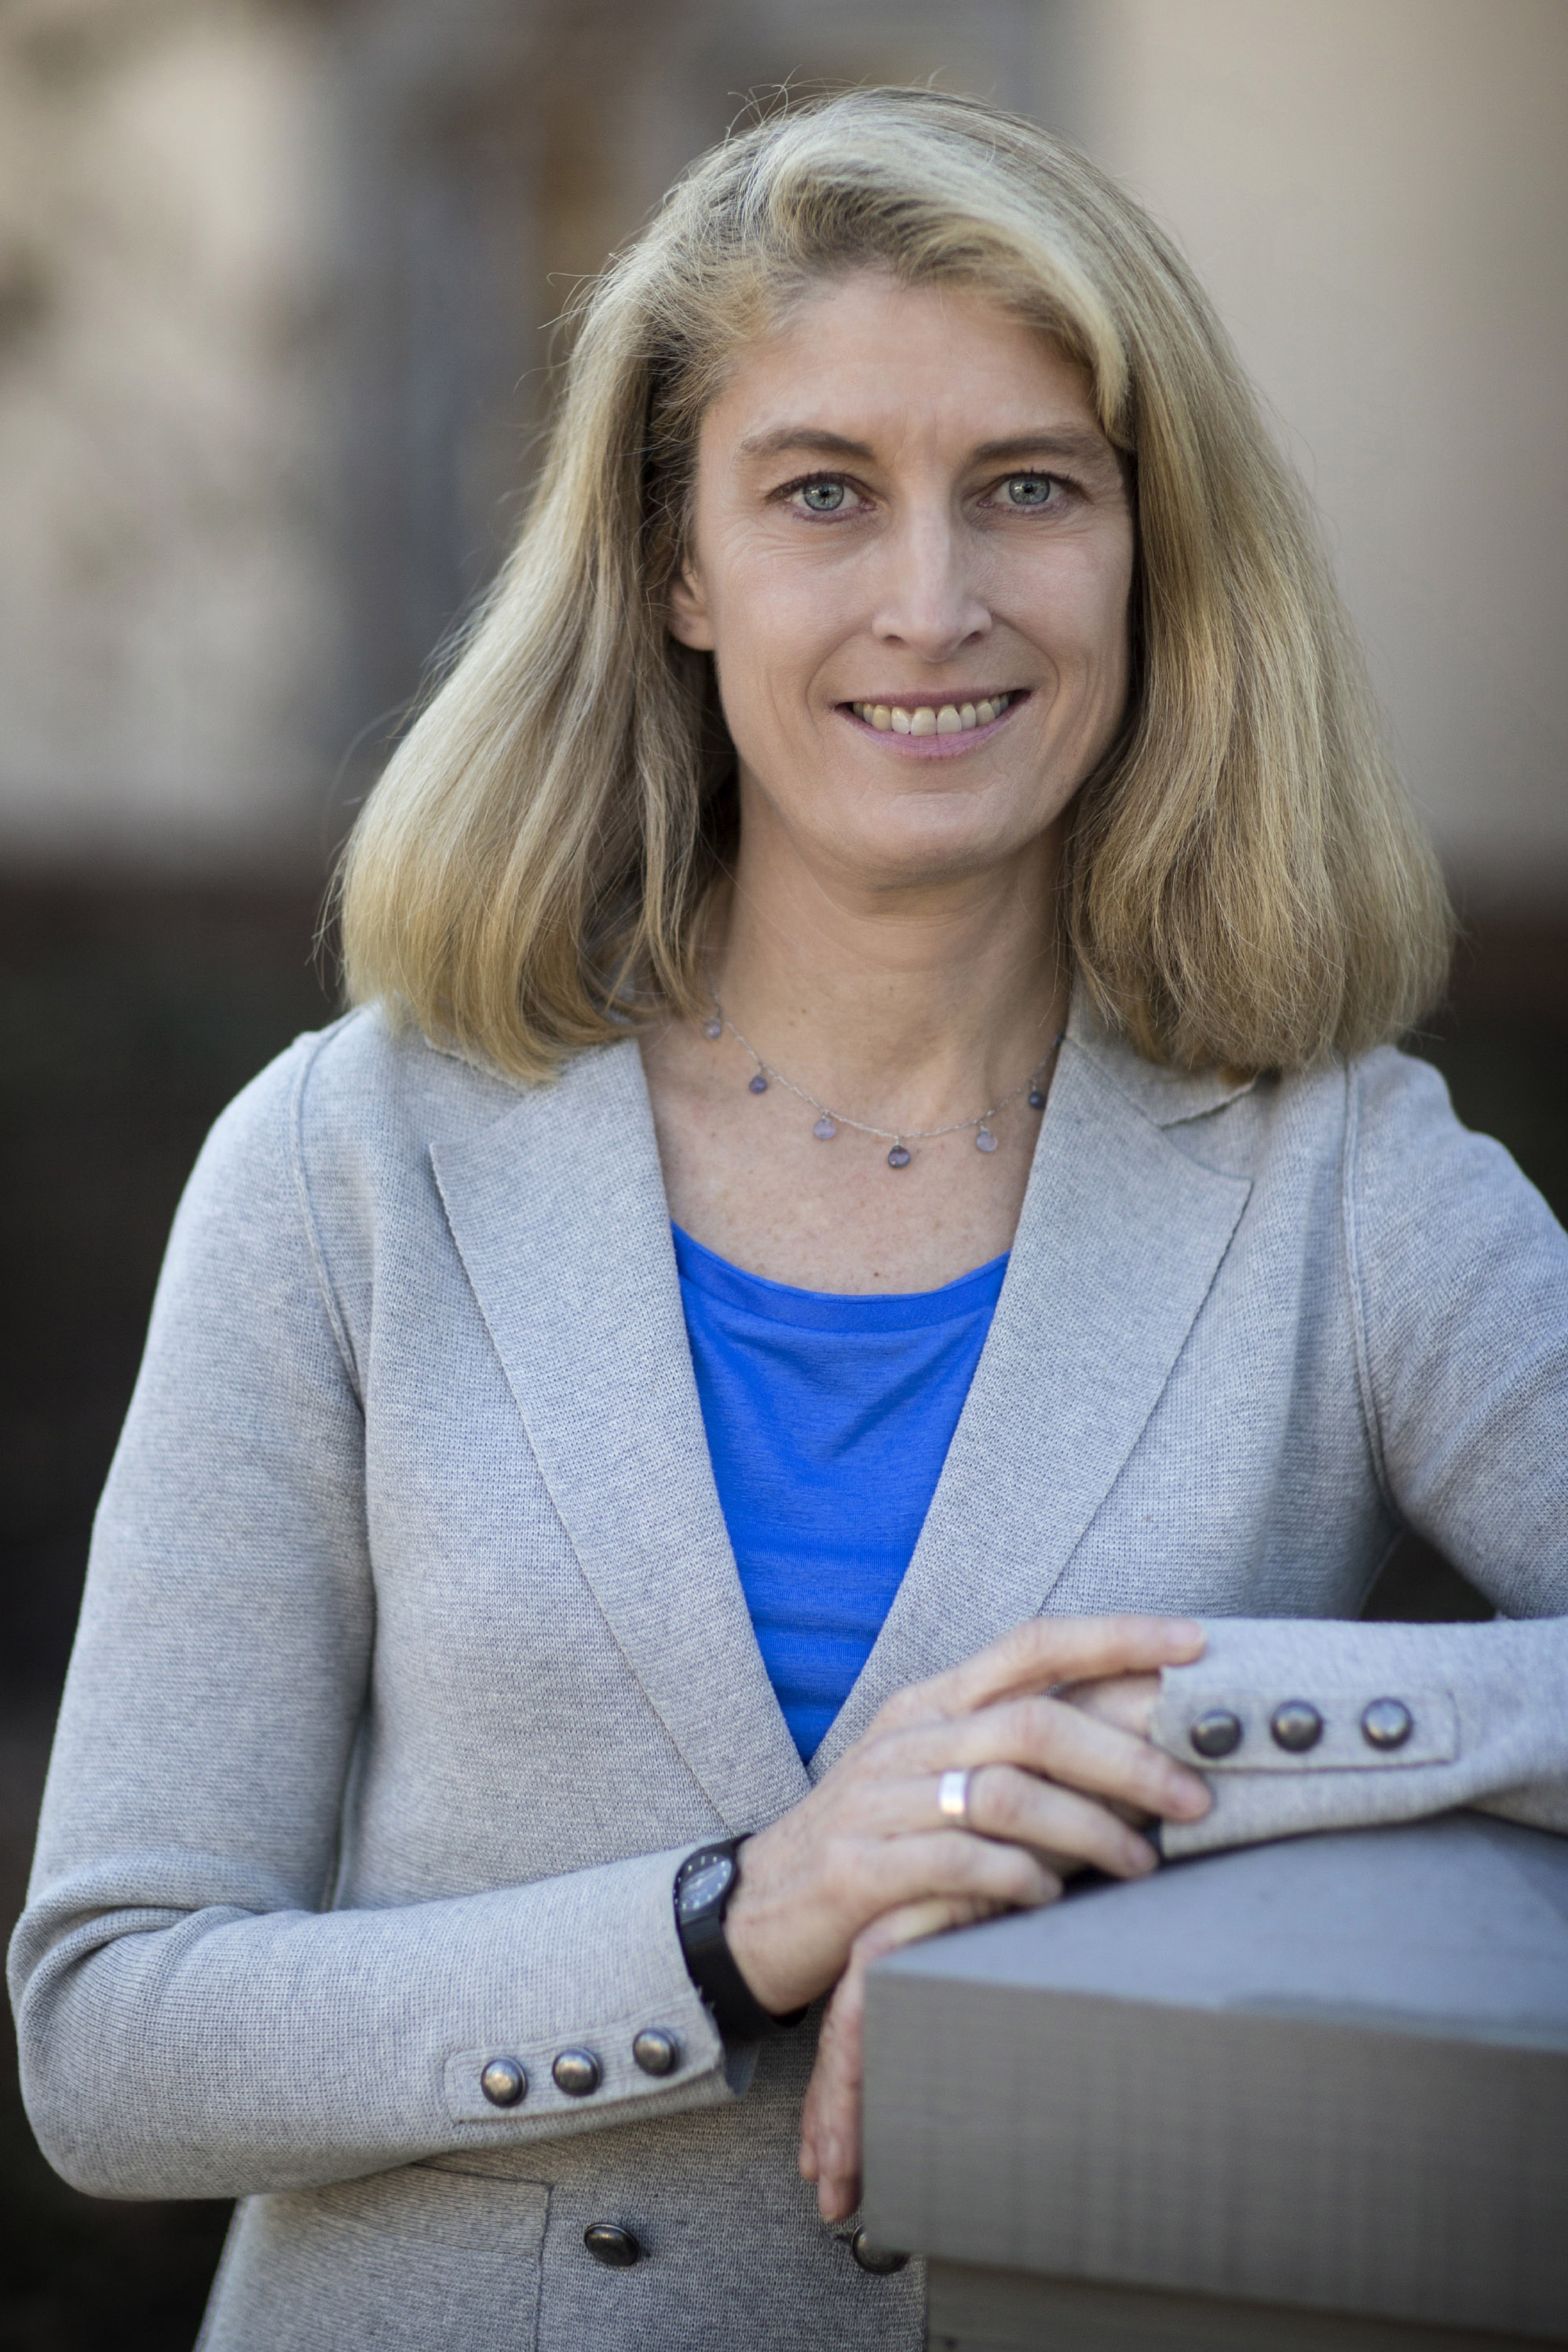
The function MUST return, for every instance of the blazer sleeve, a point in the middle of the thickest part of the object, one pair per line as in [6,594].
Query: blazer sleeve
[1457,1276]
[193,2020]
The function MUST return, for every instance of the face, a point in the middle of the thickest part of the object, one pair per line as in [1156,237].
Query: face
[911,557]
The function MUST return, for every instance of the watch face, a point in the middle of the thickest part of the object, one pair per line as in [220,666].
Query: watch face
[706,1886]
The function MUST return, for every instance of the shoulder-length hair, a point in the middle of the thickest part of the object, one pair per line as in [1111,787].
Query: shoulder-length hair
[1244,884]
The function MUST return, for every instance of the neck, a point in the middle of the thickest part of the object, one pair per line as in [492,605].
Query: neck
[906,1003]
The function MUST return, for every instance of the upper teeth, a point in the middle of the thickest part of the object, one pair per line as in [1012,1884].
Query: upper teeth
[921,718]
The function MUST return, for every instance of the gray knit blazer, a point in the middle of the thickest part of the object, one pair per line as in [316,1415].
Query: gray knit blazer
[414,1655]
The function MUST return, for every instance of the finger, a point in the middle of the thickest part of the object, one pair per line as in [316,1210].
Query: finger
[1063,1742]
[1043,1652]
[915,1865]
[1057,1823]
[838,2194]
[910,1923]
[1018,1808]
[831,2117]
[1046,1651]
[1009,1805]
[1125,1700]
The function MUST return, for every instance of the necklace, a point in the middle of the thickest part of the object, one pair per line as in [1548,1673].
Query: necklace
[830,1121]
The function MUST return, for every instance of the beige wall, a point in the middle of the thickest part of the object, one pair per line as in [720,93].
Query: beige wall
[1377,192]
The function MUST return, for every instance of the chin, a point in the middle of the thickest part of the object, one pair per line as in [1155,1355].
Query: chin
[932,832]
[931,852]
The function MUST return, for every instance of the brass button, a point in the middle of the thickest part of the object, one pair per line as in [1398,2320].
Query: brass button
[881,2261]
[609,2243]
[504,2082]
[577,2072]
[1386,1723]
[656,2050]
[1216,1733]
[1296,1726]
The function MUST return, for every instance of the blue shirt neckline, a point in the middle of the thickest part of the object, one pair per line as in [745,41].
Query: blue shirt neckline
[835,1310]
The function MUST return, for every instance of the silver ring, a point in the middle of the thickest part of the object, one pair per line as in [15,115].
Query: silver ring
[953,1797]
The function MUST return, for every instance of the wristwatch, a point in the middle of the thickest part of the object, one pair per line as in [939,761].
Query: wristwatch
[704,1884]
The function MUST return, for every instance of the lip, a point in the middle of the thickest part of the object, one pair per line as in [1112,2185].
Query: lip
[931,747]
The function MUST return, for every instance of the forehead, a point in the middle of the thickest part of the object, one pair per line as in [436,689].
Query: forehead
[864,360]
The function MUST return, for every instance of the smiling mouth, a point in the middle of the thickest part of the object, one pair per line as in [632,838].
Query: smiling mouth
[932,717]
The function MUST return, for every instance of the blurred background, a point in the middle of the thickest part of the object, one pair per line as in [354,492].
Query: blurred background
[275,285]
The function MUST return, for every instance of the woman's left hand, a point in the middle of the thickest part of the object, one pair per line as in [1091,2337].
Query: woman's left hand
[831,2117]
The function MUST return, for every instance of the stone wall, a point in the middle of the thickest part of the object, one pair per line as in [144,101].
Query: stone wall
[170,614]
[276,289]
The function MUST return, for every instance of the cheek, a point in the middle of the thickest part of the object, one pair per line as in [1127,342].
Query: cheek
[773,625]
[1080,620]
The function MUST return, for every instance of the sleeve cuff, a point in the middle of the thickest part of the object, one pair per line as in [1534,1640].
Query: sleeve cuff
[1307,1727]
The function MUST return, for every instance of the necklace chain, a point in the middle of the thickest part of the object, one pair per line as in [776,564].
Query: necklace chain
[830,1121]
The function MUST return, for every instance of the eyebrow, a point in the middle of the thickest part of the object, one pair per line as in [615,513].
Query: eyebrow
[1084,447]
[808,439]
[814,440]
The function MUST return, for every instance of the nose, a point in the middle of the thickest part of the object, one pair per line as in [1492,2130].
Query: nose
[929,599]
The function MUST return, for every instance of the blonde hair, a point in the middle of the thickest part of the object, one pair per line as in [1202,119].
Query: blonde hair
[1245,883]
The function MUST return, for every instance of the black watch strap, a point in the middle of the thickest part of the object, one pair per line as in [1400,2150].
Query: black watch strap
[704,1884]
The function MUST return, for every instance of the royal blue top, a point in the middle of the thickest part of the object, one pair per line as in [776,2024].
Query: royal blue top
[829,1419]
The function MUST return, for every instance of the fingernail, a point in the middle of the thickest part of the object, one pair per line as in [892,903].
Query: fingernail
[1183,1632]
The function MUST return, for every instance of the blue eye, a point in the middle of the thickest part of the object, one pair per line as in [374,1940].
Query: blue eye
[1030,489]
[823,497]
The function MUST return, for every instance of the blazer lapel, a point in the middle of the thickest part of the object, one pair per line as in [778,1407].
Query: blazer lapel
[1118,1241]
[557,1210]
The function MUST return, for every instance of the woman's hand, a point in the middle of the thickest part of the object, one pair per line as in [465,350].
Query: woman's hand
[1057,1784]
[830,2117]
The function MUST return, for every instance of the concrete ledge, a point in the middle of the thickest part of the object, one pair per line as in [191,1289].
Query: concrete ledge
[1013,2311]
[1329,2075]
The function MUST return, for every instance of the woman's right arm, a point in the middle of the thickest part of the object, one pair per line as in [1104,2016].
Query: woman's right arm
[192,2021]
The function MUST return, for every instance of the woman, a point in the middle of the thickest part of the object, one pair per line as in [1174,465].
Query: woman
[913,798]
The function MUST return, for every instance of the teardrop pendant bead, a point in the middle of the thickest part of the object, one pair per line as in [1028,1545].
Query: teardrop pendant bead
[759,1085]
[984,1139]
[1036,1099]
[824,1129]
[712,1028]
[899,1157]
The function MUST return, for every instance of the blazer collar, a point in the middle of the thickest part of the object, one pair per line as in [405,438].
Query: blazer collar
[1166,1098]
[557,1210]
[1119,1239]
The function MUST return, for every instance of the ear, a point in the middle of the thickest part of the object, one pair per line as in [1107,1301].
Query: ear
[687,614]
